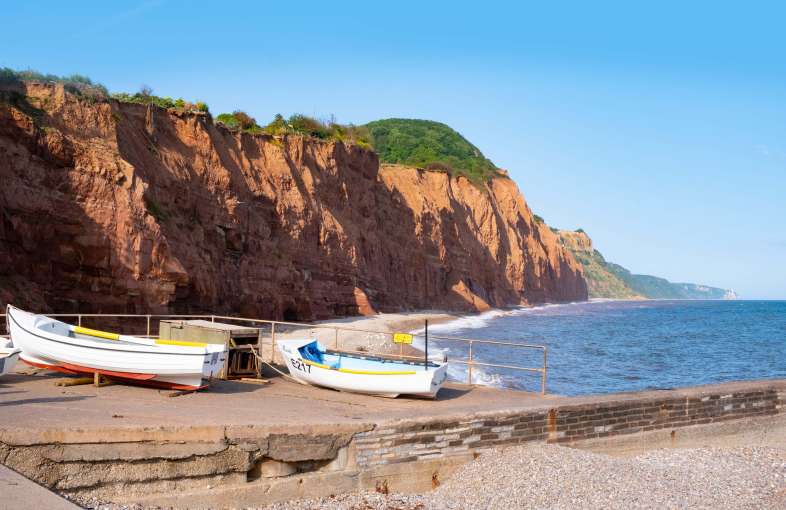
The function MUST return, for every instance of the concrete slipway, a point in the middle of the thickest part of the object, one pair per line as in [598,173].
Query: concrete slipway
[242,444]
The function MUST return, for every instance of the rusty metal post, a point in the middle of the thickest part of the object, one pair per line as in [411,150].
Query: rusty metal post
[543,375]
[469,365]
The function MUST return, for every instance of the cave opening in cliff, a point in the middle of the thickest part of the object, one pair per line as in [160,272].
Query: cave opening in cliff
[290,315]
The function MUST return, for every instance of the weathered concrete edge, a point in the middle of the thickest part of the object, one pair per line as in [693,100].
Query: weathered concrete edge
[18,436]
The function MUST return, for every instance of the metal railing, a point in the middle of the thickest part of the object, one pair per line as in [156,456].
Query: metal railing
[378,342]
[470,361]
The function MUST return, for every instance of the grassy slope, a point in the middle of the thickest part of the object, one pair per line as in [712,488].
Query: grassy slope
[423,142]
[602,282]
[609,280]
[660,288]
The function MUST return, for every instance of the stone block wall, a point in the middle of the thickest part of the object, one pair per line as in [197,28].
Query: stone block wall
[420,440]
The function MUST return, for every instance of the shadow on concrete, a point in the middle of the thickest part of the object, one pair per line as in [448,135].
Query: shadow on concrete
[47,400]
[229,387]
[451,393]
[8,392]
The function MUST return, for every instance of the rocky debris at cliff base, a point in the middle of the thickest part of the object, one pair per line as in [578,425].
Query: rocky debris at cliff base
[556,477]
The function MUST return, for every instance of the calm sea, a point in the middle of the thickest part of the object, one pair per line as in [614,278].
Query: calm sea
[613,346]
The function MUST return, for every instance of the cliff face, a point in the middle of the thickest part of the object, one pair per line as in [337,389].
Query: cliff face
[127,208]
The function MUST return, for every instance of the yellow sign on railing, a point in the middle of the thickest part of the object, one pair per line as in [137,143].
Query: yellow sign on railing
[402,338]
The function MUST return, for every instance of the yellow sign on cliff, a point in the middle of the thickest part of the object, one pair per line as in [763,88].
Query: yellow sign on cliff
[402,338]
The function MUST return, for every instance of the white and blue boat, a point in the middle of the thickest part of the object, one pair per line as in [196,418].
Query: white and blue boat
[310,362]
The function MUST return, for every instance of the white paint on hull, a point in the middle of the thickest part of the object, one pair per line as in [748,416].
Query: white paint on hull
[46,341]
[420,382]
[8,357]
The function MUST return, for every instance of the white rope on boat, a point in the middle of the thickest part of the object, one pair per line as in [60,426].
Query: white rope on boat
[287,376]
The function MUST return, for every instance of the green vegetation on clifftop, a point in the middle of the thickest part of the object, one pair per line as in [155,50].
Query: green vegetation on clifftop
[428,144]
[298,124]
[77,84]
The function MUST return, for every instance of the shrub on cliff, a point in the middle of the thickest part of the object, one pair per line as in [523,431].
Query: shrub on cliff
[324,130]
[309,126]
[437,166]
[359,135]
[239,121]
[146,96]
[278,126]
[76,84]
[424,143]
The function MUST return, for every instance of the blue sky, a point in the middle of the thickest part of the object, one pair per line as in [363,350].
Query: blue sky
[660,130]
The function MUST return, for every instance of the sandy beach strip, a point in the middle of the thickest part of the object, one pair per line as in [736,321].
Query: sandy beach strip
[396,322]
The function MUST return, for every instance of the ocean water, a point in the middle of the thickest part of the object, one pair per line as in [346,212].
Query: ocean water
[613,346]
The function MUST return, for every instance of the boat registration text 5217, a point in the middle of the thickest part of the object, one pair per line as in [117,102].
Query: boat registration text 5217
[298,364]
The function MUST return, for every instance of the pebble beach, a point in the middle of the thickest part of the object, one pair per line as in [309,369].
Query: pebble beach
[557,477]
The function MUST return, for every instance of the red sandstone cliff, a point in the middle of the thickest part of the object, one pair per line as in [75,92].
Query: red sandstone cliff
[127,208]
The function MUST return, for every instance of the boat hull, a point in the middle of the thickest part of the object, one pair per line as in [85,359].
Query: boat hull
[417,382]
[45,344]
[8,357]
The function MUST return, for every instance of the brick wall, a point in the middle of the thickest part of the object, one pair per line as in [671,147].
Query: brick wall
[427,440]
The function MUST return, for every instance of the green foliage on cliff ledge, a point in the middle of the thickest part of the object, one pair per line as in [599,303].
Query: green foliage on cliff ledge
[239,121]
[322,129]
[77,84]
[146,96]
[425,143]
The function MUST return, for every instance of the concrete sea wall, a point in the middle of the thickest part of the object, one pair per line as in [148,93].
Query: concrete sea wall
[199,467]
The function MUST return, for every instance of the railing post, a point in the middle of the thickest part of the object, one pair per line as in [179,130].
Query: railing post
[469,365]
[79,320]
[543,375]
[272,342]
[148,326]
[336,339]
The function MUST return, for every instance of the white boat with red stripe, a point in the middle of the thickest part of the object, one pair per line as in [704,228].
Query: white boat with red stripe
[54,345]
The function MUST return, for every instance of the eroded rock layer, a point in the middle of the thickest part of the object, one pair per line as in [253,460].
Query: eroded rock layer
[114,207]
